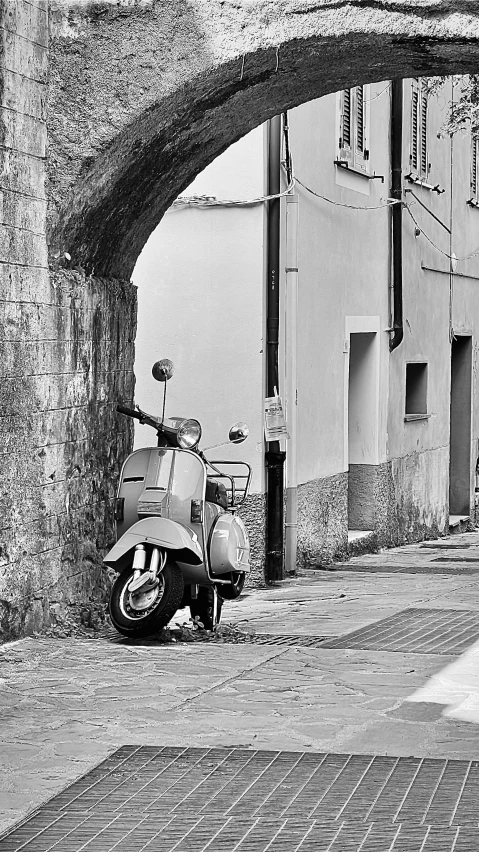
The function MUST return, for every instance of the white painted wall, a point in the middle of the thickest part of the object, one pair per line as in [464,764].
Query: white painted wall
[343,273]
[200,303]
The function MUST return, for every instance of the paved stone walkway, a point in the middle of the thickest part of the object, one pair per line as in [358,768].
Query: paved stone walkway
[65,704]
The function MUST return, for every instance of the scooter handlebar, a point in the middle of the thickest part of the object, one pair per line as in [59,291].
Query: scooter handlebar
[140,415]
[128,411]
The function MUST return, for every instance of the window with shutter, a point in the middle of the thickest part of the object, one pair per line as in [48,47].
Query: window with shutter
[414,129]
[419,154]
[360,118]
[347,118]
[353,130]
[424,163]
[474,187]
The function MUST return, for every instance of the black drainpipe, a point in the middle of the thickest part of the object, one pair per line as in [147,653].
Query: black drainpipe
[274,458]
[396,212]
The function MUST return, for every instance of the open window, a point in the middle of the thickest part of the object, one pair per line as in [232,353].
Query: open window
[353,129]
[416,390]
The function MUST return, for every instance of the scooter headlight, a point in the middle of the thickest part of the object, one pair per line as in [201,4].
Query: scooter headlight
[189,434]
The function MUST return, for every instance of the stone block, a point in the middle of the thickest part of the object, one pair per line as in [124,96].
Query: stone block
[23,212]
[22,246]
[28,20]
[24,57]
[23,95]
[22,173]
[24,134]
[24,284]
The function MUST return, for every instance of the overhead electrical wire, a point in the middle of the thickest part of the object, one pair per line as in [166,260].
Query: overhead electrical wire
[209,201]
[212,201]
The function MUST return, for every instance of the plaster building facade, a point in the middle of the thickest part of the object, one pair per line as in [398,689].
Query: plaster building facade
[385,346]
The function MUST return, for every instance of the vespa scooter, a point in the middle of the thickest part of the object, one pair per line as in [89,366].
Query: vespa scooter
[180,541]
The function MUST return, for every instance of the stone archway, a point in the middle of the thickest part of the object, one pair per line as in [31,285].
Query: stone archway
[109,110]
[143,95]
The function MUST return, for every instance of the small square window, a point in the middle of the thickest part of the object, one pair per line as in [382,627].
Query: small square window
[416,388]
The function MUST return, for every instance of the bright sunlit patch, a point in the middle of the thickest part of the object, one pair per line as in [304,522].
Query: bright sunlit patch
[456,686]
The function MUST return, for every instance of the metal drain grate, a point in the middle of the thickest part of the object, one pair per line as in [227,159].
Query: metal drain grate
[416,631]
[456,559]
[461,567]
[147,799]
[291,641]
[235,638]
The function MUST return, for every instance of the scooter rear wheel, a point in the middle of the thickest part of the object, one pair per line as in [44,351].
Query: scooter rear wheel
[147,612]
[203,607]
[230,593]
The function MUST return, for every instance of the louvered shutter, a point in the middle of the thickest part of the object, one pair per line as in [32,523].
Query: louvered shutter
[424,163]
[346,127]
[360,119]
[346,141]
[474,167]
[415,130]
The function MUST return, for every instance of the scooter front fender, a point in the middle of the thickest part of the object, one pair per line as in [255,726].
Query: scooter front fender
[159,531]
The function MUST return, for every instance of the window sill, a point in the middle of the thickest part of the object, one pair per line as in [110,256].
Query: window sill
[343,164]
[409,417]
[421,181]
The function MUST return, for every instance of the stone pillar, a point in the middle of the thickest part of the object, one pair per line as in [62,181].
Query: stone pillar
[66,356]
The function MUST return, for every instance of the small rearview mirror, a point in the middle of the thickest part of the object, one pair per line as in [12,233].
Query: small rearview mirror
[162,370]
[238,433]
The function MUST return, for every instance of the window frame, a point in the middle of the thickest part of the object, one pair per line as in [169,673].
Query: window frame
[416,390]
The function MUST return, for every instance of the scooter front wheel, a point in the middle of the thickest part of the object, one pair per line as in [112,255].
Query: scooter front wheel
[146,612]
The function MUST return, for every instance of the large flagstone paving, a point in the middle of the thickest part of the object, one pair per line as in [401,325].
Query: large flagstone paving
[66,703]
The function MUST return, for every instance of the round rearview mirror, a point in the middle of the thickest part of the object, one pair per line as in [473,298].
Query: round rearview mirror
[238,433]
[162,370]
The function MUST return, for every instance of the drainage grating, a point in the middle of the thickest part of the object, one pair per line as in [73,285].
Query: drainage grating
[459,568]
[235,637]
[148,799]
[416,631]
[456,559]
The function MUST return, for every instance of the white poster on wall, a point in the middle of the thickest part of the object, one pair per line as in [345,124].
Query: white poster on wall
[274,422]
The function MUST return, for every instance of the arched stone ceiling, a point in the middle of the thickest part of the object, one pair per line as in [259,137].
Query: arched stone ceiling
[143,94]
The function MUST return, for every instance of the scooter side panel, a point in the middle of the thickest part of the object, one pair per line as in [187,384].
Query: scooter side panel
[162,532]
[229,545]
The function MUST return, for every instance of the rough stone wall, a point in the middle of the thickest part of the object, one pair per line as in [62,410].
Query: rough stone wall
[362,496]
[418,496]
[253,513]
[322,520]
[67,361]
[66,355]
[407,501]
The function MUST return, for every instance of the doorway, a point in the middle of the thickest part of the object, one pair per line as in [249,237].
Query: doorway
[461,429]
[362,430]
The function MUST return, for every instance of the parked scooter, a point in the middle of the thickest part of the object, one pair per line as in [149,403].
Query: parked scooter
[180,540]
